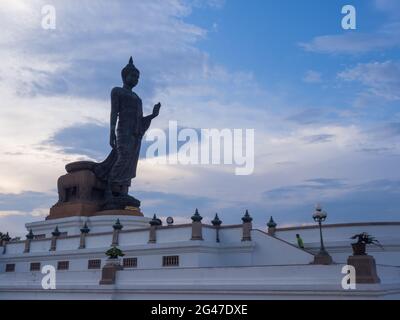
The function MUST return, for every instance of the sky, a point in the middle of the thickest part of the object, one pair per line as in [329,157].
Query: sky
[323,101]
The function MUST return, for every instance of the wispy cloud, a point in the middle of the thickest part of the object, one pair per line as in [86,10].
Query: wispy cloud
[320,185]
[352,43]
[392,7]
[385,37]
[379,78]
[320,138]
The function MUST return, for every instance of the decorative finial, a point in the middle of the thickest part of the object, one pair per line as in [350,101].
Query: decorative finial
[197,217]
[131,60]
[30,235]
[118,225]
[56,232]
[155,221]
[85,228]
[271,223]
[247,218]
[6,237]
[216,222]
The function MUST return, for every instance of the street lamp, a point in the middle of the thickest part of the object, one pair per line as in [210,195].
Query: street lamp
[323,256]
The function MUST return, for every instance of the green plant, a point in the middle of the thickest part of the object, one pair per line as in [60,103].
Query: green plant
[365,238]
[114,253]
[5,236]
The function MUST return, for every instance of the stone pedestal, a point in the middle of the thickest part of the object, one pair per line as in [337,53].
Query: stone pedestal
[53,245]
[323,259]
[154,223]
[247,226]
[153,234]
[27,248]
[81,193]
[197,226]
[271,231]
[115,238]
[271,227]
[82,241]
[365,268]
[197,230]
[109,271]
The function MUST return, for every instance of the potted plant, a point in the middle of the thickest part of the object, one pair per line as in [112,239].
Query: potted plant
[4,238]
[359,248]
[113,255]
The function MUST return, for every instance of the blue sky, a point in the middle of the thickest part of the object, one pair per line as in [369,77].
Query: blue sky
[324,103]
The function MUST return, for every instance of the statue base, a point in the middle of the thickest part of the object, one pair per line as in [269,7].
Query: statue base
[60,213]
[81,193]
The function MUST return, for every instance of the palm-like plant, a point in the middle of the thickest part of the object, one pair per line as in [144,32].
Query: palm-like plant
[114,253]
[5,236]
[365,238]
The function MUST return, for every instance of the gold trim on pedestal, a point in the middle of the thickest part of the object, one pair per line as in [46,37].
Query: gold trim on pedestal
[132,208]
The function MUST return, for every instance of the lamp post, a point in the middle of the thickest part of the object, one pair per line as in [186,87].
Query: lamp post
[323,256]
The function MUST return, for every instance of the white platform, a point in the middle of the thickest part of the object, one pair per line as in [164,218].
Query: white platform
[96,224]
[264,268]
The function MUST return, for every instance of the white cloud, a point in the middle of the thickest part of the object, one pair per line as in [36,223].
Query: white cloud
[353,43]
[42,73]
[357,42]
[392,7]
[381,79]
[11,213]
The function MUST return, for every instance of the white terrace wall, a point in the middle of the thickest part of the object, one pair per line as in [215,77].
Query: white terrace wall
[231,251]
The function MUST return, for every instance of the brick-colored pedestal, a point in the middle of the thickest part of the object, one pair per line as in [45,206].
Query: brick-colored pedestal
[109,272]
[365,268]
[66,210]
[77,209]
[323,259]
[81,193]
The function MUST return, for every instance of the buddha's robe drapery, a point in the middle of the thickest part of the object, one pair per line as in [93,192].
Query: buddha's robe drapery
[119,168]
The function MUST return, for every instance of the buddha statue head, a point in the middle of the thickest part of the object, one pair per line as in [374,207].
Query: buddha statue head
[130,74]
